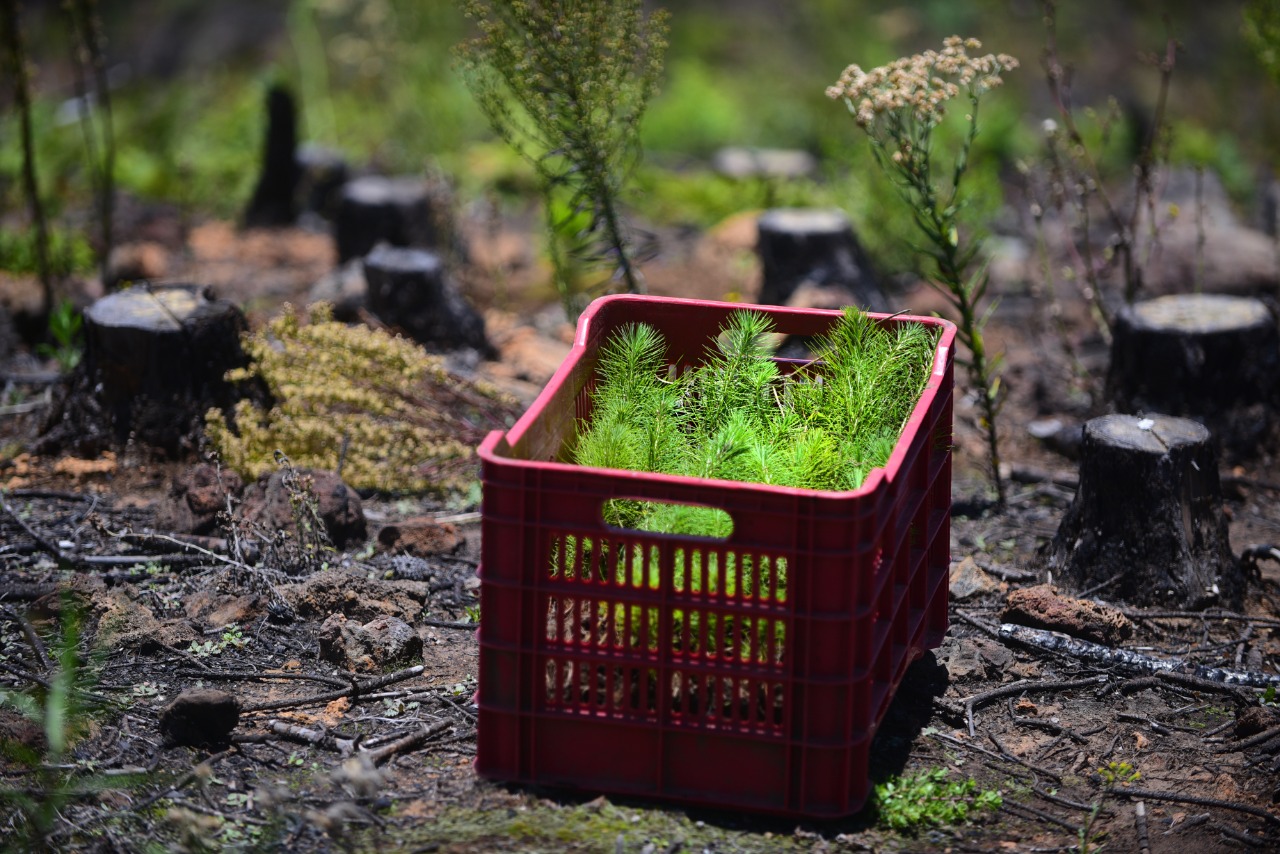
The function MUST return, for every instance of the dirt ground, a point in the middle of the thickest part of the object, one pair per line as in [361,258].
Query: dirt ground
[325,759]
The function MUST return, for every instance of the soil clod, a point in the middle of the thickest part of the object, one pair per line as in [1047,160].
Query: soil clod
[200,717]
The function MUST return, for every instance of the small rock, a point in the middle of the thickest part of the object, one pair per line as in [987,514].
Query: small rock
[420,536]
[973,658]
[374,646]
[200,717]
[196,496]
[267,503]
[1253,720]
[1042,607]
[969,580]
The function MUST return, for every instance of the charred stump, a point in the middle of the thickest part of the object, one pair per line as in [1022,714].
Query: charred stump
[816,249]
[275,199]
[374,209]
[156,360]
[1211,358]
[1147,525]
[410,289]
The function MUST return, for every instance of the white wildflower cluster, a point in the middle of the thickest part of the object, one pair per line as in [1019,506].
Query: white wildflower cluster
[920,84]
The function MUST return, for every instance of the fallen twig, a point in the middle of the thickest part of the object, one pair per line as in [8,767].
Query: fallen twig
[409,742]
[445,624]
[258,676]
[33,639]
[43,542]
[203,768]
[1253,741]
[1140,819]
[350,691]
[1177,798]
[1132,661]
[1014,808]
[1024,686]
[315,737]
[1184,680]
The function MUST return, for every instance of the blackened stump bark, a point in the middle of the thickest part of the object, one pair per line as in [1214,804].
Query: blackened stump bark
[1212,358]
[410,289]
[156,359]
[274,200]
[799,245]
[1147,525]
[374,210]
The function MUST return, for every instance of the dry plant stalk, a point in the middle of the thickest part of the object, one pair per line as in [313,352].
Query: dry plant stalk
[1078,176]
[898,106]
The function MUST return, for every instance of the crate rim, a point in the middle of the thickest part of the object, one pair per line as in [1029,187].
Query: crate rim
[492,448]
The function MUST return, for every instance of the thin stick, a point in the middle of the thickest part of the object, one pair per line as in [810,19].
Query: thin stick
[351,691]
[33,639]
[445,624]
[1177,798]
[185,779]
[1261,738]
[314,737]
[1140,819]
[253,675]
[1027,686]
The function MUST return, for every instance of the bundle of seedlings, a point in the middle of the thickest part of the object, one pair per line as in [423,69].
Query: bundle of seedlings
[740,415]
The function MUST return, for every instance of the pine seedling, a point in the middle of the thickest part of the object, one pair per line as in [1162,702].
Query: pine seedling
[736,417]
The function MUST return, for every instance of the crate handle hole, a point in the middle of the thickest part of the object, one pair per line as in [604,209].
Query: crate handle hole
[667,517]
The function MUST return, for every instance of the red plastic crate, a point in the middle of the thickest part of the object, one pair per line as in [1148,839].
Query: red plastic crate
[749,672]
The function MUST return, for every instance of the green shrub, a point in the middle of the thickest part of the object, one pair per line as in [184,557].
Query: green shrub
[376,406]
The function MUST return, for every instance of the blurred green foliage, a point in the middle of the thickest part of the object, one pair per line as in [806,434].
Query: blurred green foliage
[69,252]
[375,79]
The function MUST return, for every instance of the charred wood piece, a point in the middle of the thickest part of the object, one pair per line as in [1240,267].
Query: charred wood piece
[1133,662]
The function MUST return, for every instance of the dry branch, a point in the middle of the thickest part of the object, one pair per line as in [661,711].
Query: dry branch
[409,742]
[1177,798]
[315,737]
[1026,686]
[353,691]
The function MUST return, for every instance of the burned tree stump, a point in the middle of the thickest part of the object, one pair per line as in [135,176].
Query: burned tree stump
[814,247]
[274,200]
[375,209]
[1211,358]
[156,359]
[1146,525]
[409,289]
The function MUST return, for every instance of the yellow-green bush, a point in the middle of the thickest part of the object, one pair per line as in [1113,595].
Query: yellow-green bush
[393,415]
